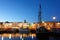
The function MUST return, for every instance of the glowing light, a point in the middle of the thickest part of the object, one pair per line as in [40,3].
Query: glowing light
[54,18]
[45,24]
[9,36]
[48,28]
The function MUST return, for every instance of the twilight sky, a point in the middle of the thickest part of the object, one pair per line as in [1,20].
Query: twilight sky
[18,10]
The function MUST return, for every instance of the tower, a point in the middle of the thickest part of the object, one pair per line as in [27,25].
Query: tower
[24,21]
[39,15]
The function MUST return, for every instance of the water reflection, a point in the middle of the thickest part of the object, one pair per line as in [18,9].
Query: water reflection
[17,36]
[2,38]
[9,36]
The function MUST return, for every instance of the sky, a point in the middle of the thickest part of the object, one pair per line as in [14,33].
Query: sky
[20,10]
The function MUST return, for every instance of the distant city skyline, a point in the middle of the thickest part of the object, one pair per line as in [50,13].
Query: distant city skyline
[20,10]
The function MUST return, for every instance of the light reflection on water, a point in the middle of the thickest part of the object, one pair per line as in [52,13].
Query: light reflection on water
[17,36]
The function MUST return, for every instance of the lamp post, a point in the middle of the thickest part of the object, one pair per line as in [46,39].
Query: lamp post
[54,18]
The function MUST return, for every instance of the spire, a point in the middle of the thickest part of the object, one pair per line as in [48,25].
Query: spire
[39,14]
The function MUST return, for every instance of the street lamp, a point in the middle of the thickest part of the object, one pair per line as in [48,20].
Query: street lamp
[54,18]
